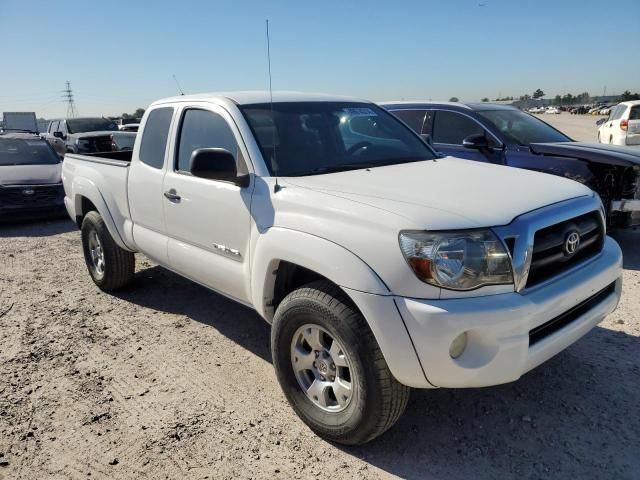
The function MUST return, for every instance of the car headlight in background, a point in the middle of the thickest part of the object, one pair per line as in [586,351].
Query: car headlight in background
[458,260]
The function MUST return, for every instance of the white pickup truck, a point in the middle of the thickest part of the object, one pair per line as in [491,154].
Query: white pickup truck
[380,265]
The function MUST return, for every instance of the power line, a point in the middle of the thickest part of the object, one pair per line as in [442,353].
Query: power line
[67,96]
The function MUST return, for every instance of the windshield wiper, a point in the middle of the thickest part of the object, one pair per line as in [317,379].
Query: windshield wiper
[343,167]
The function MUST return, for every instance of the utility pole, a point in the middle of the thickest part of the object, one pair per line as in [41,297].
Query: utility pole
[67,96]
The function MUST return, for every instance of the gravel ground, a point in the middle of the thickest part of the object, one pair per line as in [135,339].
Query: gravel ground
[169,380]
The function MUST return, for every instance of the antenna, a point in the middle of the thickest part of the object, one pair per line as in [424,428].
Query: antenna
[274,163]
[178,84]
[67,96]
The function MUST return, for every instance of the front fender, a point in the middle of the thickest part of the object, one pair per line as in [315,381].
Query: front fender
[357,280]
[332,261]
[83,187]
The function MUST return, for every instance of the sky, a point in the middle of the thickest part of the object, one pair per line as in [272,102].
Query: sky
[120,55]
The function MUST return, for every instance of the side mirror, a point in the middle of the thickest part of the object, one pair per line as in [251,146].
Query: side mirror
[476,141]
[601,121]
[427,138]
[58,134]
[216,164]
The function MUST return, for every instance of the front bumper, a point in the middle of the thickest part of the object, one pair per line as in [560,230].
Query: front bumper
[498,327]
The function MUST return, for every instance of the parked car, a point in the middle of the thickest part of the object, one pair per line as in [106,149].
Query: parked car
[622,127]
[553,110]
[129,127]
[379,266]
[20,122]
[536,110]
[30,183]
[122,140]
[81,135]
[504,135]
[604,111]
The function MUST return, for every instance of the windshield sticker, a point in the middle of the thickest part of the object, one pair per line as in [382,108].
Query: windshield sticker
[360,112]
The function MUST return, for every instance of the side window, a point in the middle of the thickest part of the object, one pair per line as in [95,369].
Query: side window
[54,126]
[634,114]
[63,127]
[154,137]
[413,118]
[204,129]
[619,112]
[452,128]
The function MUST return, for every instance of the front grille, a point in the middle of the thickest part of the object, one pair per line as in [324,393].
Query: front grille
[31,195]
[97,144]
[550,256]
[541,332]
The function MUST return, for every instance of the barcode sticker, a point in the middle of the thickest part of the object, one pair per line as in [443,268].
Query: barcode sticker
[360,112]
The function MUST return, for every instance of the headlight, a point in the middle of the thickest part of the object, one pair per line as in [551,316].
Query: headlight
[461,260]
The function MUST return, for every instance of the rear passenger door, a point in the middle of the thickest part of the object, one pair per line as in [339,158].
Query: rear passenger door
[208,221]
[448,129]
[146,176]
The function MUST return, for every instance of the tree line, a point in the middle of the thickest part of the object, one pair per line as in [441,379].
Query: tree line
[567,99]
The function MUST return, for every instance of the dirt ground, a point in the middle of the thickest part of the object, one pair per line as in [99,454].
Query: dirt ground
[169,380]
[581,128]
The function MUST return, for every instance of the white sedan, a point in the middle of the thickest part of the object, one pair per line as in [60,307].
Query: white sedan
[622,126]
[553,110]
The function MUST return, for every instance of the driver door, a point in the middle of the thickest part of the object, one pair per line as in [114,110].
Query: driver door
[448,129]
[208,221]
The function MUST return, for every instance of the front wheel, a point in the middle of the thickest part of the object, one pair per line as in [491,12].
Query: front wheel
[331,368]
[110,266]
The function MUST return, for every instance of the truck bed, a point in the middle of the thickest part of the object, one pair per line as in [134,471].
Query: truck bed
[109,158]
[99,177]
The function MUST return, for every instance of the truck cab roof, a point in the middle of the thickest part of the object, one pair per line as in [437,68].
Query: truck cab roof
[258,96]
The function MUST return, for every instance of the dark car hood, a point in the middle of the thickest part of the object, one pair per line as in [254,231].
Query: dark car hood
[593,152]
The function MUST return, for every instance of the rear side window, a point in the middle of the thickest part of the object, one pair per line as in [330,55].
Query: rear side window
[618,112]
[452,128]
[154,137]
[634,114]
[413,118]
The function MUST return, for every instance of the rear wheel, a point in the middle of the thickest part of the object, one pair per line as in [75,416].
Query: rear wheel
[331,368]
[110,266]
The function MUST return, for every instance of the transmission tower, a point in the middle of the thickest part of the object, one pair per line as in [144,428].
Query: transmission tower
[67,96]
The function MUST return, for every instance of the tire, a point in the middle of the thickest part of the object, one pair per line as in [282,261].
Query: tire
[376,400]
[117,265]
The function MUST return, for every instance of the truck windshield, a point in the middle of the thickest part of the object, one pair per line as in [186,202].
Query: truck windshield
[523,128]
[307,138]
[81,125]
[18,151]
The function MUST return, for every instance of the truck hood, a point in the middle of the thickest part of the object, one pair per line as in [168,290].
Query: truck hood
[448,192]
[30,174]
[593,152]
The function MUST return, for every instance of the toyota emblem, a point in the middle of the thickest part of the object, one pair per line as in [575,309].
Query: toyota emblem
[28,191]
[571,243]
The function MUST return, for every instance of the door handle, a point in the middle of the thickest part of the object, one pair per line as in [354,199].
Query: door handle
[172,195]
